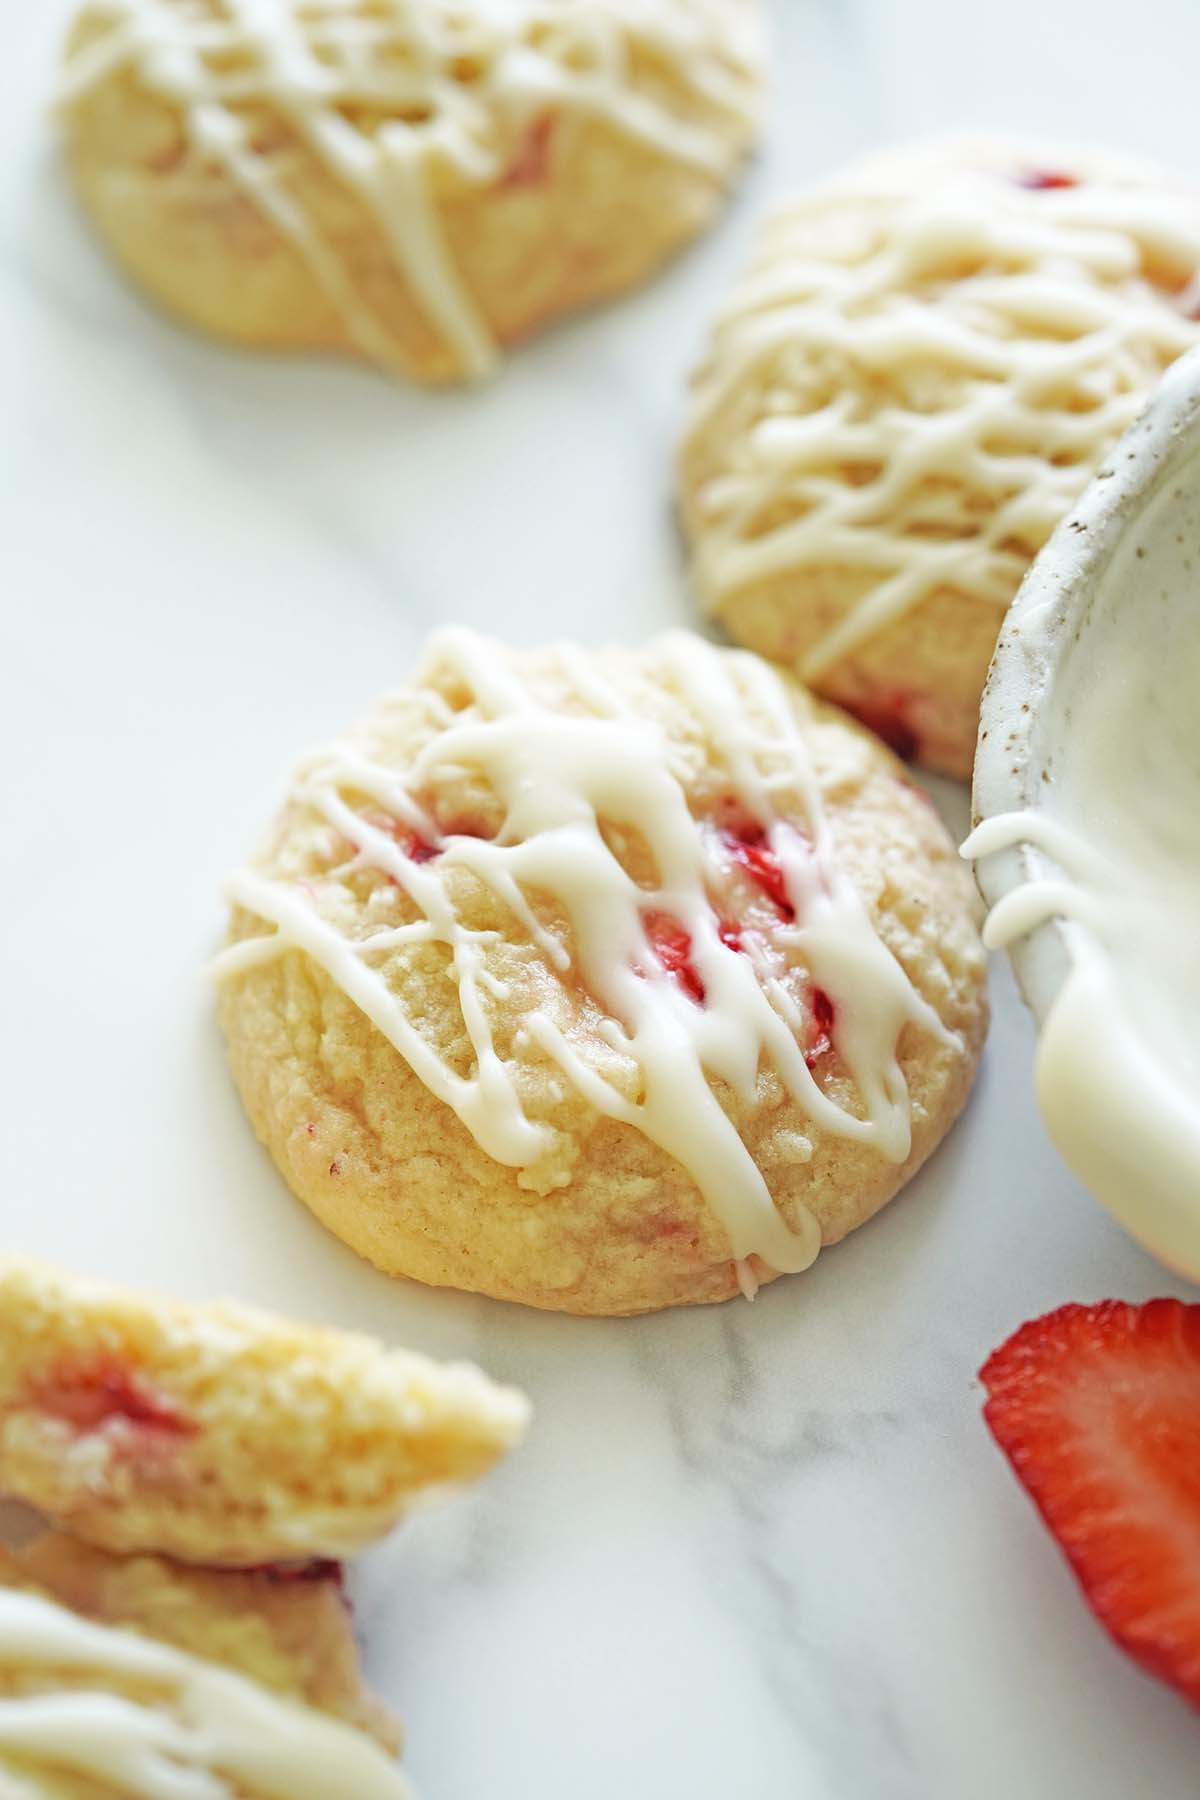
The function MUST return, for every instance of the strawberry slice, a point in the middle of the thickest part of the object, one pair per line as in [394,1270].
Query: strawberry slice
[1098,1410]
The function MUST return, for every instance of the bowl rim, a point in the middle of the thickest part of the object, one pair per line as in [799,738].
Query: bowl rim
[1037,635]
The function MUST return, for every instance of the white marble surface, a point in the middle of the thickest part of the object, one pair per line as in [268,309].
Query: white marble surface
[765,1552]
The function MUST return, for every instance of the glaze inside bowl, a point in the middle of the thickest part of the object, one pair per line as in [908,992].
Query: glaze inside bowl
[1087,789]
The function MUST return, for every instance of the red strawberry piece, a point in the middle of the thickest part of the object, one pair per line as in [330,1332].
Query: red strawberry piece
[750,849]
[529,166]
[820,1029]
[672,945]
[416,848]
[1044,179]
[90,1395]
[406,840]
[1098,1410]
[285,1574]
[888,717]
[820,1041]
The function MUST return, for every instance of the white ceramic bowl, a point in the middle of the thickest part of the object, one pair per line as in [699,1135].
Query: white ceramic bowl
[1090,727]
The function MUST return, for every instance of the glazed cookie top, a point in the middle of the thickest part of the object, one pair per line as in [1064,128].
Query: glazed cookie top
[572,883]
[387,93]
[927,360]
[131,1716]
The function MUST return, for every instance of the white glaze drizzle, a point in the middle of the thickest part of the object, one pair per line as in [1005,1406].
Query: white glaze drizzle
[560,776]
[1079,893]
[1013,334]
[316,63]
[148,1722]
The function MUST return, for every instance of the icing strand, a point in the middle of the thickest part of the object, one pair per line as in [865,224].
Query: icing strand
[175,1728]
[384,92]
[1089,880]
[560,778]
[1004,387]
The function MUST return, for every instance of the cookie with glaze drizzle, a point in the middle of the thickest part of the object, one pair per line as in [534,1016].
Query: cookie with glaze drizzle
[601,980]
[417,182]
